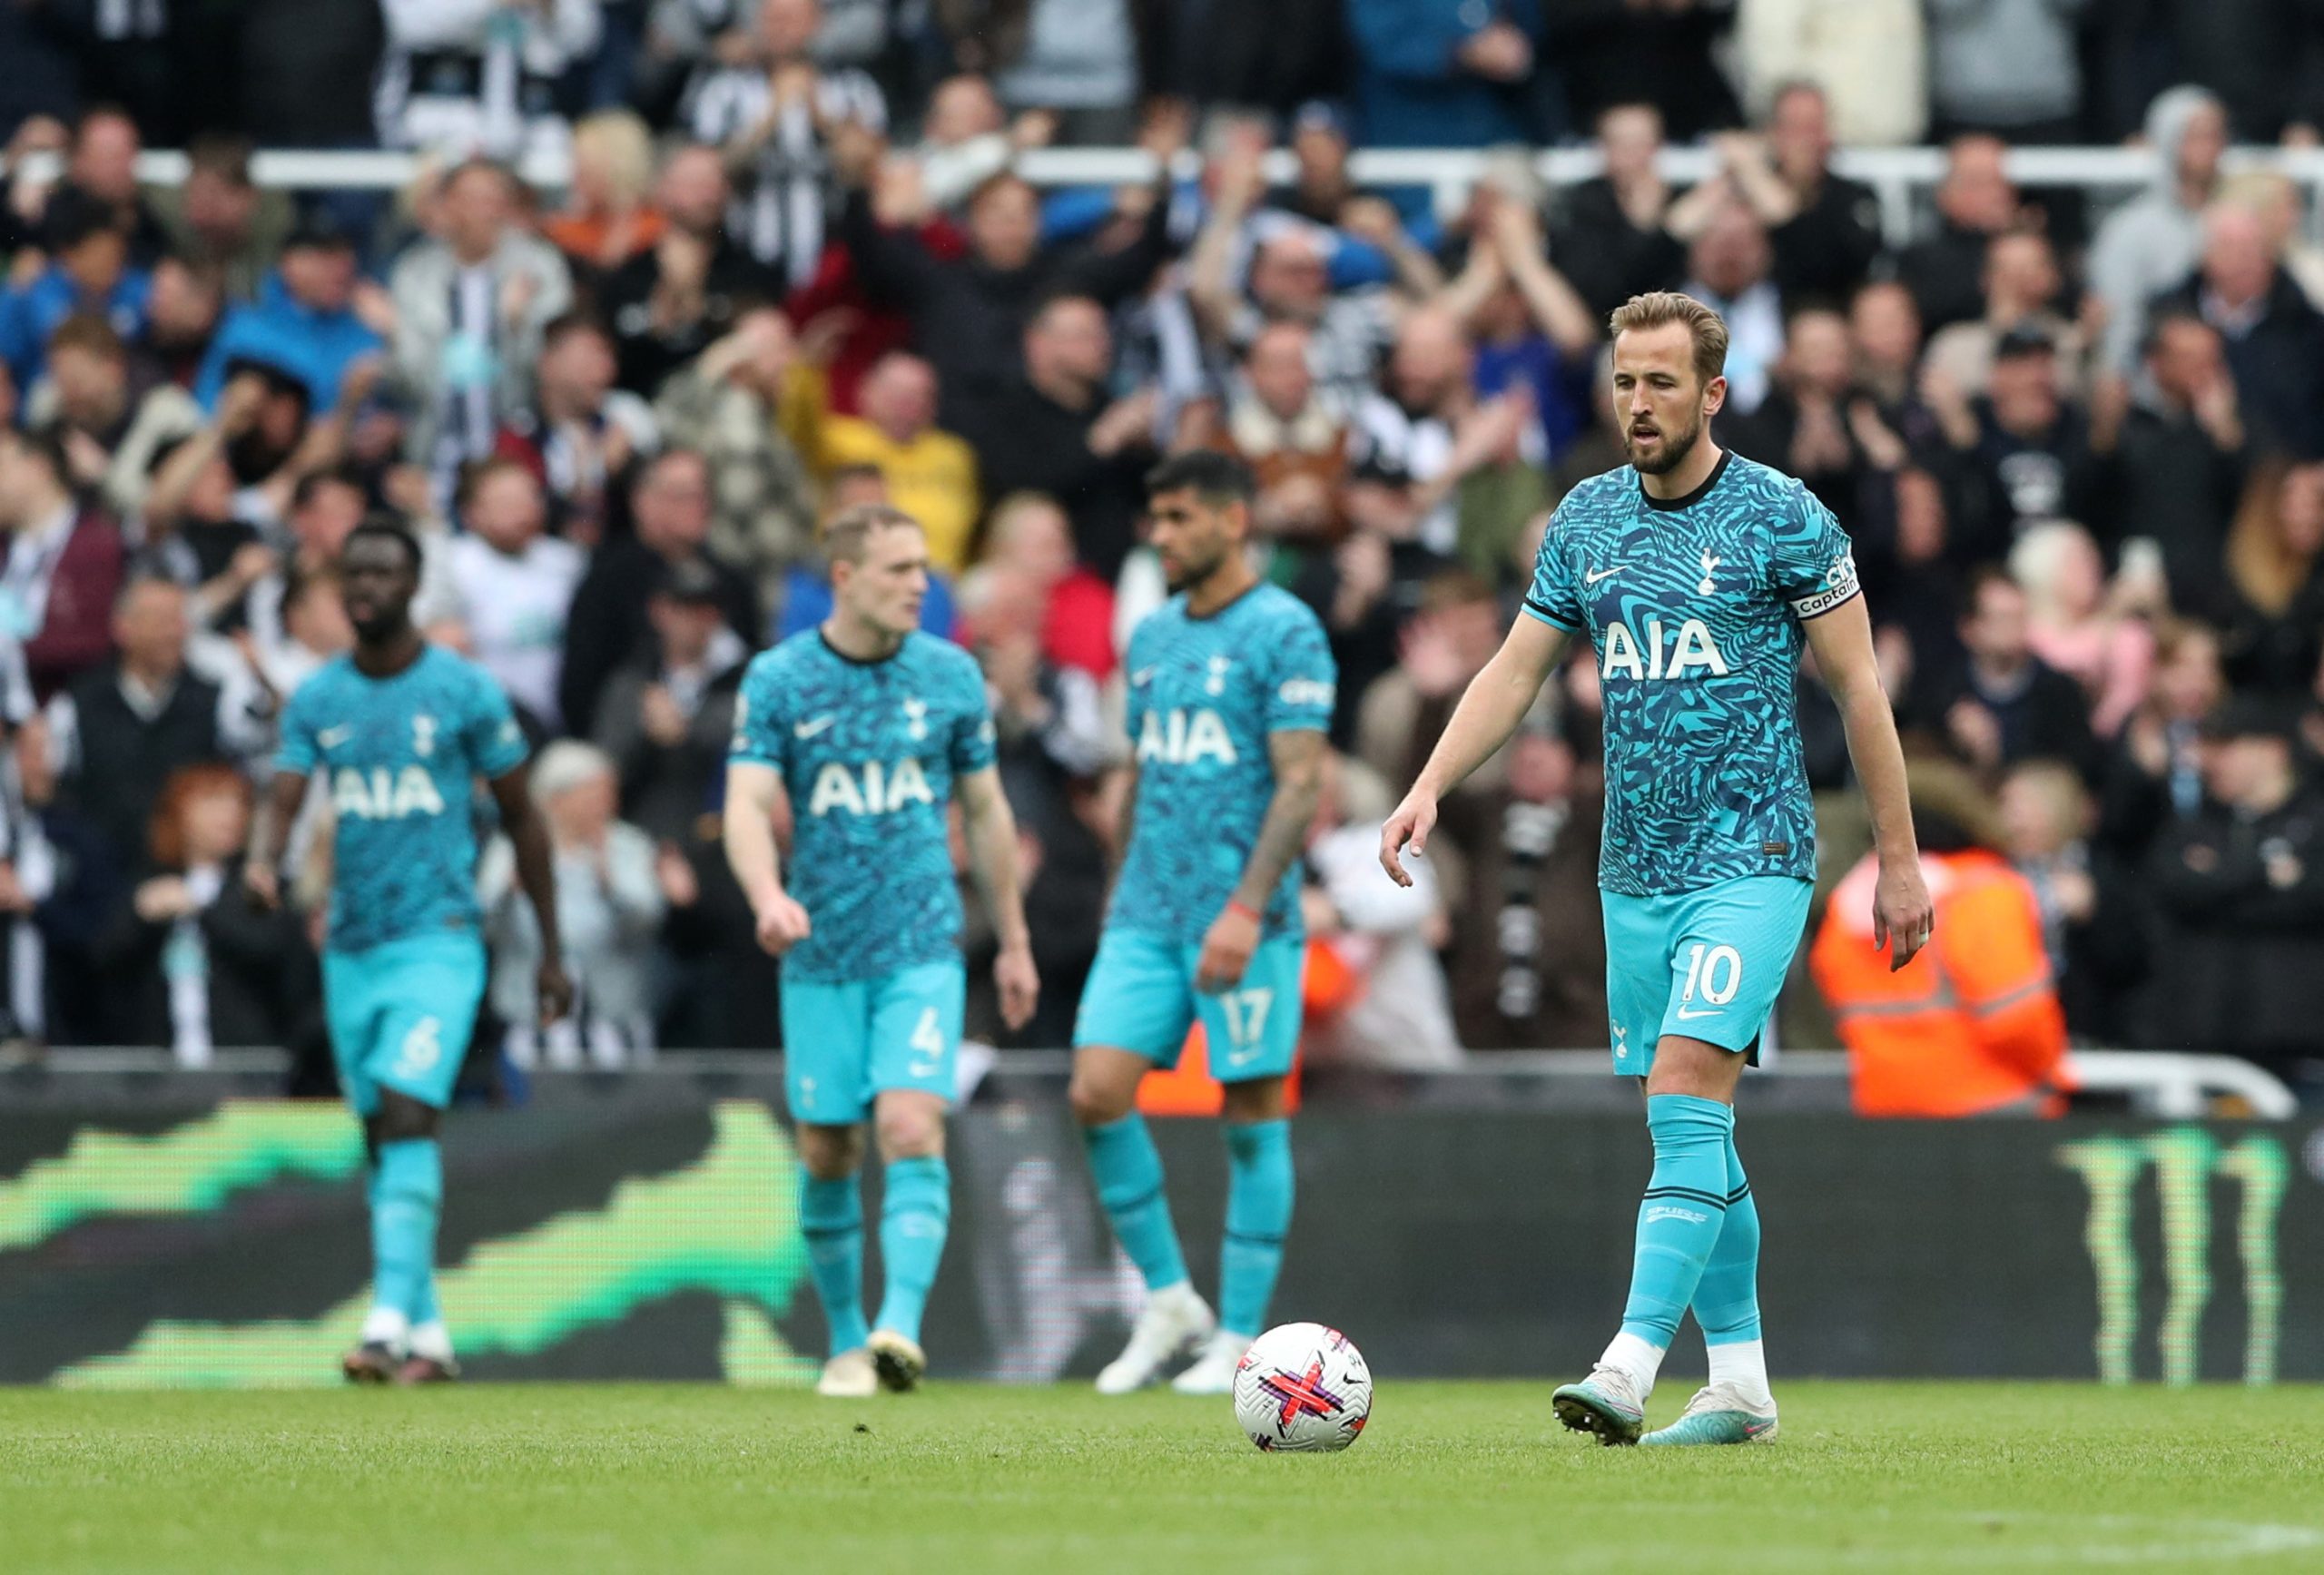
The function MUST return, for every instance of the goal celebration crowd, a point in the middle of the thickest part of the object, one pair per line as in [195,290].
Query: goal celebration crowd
[2078,443]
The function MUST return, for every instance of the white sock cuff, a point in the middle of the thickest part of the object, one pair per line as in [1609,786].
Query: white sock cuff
[432,1340]
[1637,1357]
[1741,1365]
[385,1326]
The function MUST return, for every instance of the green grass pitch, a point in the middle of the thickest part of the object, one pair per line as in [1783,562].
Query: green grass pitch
[1468,1478]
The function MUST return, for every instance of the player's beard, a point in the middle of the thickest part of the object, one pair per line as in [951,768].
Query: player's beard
[1192,574]
[1676,447]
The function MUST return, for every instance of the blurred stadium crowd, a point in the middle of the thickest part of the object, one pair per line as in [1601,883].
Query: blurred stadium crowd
[2080,447]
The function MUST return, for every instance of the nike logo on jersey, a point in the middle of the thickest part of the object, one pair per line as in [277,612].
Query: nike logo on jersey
[1686,1016]
[810,729]
[1142,677]
[333,737]
[1594,576]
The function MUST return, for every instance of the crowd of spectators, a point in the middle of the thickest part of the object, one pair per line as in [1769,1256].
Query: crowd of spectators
[2080,447]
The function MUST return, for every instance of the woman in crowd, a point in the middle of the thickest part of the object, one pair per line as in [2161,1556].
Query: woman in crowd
[2274,563]
[607,220]
[195,963]
[2087,629]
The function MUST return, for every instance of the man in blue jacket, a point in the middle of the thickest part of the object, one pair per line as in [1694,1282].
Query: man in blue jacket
[304,321]
[89,272]
[1441,73]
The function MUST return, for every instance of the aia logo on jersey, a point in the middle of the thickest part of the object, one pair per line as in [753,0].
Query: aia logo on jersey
[1183,737]
[1692,654]
[871,789]
[380,794]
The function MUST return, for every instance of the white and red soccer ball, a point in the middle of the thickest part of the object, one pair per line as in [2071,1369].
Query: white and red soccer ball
[1304,1387]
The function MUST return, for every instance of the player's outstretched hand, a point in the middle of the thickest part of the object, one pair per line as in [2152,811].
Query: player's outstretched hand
[555,992]
[782,924]
[1407,828]
[1019,984]
[1903,918]
[1226,949]
[263,885]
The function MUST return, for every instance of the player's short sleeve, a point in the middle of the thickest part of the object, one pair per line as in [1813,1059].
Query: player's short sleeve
[759,738]
[972,746]
[1305,680]
[496,743]
[1137,669]
[296,750]
[1812,565]
[1553,597]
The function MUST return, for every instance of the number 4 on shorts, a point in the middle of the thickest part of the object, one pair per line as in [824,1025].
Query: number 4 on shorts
[927,1044]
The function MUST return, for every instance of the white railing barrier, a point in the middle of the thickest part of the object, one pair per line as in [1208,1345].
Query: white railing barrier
[1898,175]
[2169,1085]
[2180,1087]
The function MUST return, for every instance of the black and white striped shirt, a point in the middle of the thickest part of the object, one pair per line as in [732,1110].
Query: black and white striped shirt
[782,218]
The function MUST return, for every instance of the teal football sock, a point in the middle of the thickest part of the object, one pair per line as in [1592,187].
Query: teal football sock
[1259,1188]
[406,1198]
[1128,1175]
[831,1216]
[1679,1218]
[913,1219]
[1727,1300]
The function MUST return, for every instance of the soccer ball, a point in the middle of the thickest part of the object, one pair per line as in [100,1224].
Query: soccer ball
[1302,1386]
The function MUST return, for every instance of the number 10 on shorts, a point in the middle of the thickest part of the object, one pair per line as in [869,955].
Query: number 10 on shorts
[1716,971]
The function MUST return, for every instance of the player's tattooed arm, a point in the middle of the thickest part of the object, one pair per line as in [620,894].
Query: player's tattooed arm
[1903,918]
[1297,757]
[754,795]
[536,874]
[1495,702]
[261,864]
[991,833]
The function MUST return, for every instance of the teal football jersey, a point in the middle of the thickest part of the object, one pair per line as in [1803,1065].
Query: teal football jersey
[1695,607]
[869,751]
[1205,695]
[402,757]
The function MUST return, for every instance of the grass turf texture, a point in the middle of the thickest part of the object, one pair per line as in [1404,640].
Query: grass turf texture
[1458,1477]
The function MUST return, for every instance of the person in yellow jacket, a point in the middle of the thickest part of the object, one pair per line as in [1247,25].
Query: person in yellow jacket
[1970,1027]
[931,475]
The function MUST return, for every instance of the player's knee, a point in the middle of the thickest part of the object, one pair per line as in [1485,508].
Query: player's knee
[914,1131]
[831,1153]
[1096,1100]
[402,1118]
[1261,1099]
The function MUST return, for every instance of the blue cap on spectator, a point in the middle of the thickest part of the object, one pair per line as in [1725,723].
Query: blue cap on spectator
[1319,115]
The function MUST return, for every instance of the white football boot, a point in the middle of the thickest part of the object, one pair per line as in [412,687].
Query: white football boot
[1213,1370]
[1174,1322]
[849,1376]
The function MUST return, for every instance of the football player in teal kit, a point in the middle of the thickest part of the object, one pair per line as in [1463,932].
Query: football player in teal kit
[400,731]
[1231,685]
[1698,577]
[863,731]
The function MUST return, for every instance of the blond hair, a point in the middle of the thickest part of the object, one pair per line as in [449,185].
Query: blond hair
[2262,565]
[1658,306]
[621,140]
[849,532]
